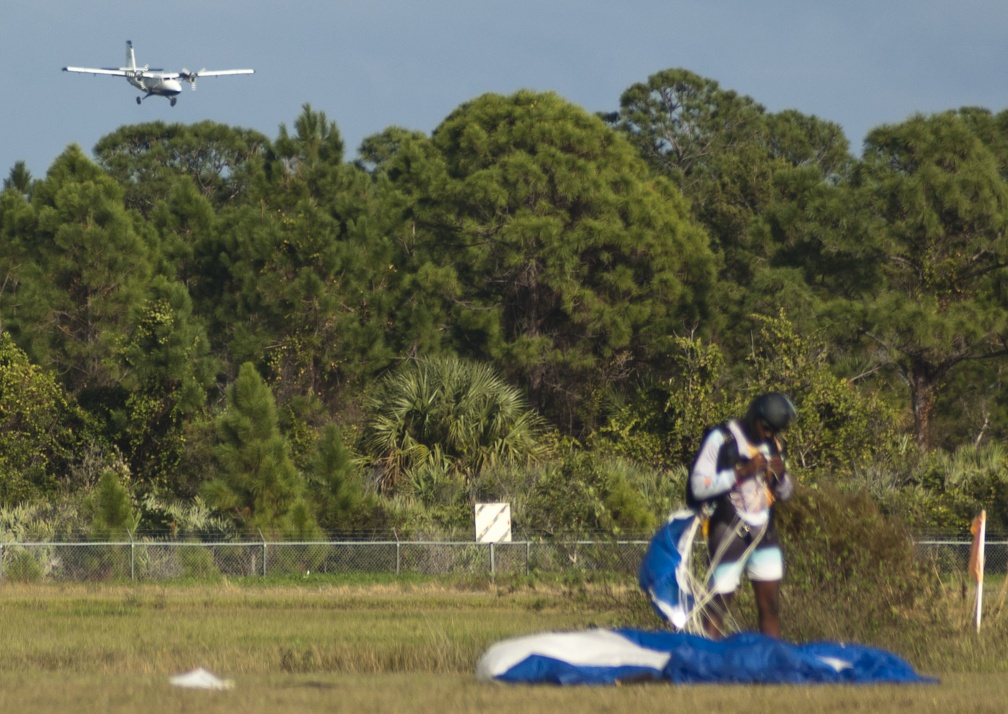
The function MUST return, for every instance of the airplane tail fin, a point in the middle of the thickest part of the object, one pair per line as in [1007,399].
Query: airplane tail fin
[130,58]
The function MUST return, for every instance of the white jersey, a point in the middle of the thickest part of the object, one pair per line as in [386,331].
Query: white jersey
[750,498]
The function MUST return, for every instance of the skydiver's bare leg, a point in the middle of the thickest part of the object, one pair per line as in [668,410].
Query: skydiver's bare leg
[768,607]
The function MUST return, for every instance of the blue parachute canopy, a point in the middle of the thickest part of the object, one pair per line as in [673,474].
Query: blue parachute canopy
[609,656]
[664,568]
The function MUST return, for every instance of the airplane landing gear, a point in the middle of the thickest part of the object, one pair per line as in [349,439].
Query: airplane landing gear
[139,100]
[172,101]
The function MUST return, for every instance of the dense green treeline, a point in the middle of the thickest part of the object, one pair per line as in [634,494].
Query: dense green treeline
[208,330]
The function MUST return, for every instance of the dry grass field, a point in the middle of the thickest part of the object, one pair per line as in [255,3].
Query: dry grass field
[330,647]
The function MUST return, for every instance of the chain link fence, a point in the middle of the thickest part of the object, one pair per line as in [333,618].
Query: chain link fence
[952,556]
[153,560]
[166,560]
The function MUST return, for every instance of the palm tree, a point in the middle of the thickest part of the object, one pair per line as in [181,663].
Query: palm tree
[451,415]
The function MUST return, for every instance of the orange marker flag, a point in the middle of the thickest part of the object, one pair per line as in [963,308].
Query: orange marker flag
[976,560]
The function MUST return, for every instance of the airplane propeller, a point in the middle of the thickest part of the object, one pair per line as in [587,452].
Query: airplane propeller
[190,77]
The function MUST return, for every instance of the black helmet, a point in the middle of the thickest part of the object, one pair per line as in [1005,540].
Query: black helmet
[773,409]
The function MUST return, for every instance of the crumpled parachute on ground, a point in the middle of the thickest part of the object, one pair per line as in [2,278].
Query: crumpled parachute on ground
[625,655]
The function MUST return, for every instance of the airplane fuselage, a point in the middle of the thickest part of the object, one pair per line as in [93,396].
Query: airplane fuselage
[154,83]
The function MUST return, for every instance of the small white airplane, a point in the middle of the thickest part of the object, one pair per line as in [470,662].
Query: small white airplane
[155,82]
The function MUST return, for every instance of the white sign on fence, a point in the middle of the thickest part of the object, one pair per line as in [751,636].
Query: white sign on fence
[493,522]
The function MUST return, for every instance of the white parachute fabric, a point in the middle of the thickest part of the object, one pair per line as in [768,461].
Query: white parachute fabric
[568,657]
[200,679]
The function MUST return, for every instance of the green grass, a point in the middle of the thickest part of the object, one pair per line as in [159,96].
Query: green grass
[449,693]
[385,645]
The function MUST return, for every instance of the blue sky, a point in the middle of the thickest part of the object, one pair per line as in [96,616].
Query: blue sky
[371,64]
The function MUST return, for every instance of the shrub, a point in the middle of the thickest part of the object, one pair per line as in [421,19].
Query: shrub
[851,572]
[22,566]
[662,422]
[586,493]
[198,563]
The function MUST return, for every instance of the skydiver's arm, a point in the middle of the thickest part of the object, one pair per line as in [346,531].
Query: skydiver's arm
[705,479]
[780,479]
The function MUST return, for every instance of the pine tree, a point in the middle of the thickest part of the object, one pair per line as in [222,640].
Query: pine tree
[257,482]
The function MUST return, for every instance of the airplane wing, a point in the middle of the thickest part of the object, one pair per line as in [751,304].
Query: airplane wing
[97,70]
[222,72]
[186,74]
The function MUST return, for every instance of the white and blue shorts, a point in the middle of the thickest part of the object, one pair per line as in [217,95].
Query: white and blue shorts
[764,564]
[737,548]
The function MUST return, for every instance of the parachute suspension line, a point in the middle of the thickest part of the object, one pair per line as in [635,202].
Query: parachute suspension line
[728,622]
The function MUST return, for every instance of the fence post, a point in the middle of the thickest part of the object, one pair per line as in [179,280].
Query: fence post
[528,555]
[398,552]
[1,561]
[493,571]
[263,538]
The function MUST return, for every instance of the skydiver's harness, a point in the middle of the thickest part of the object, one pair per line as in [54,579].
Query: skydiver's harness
[706,509]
